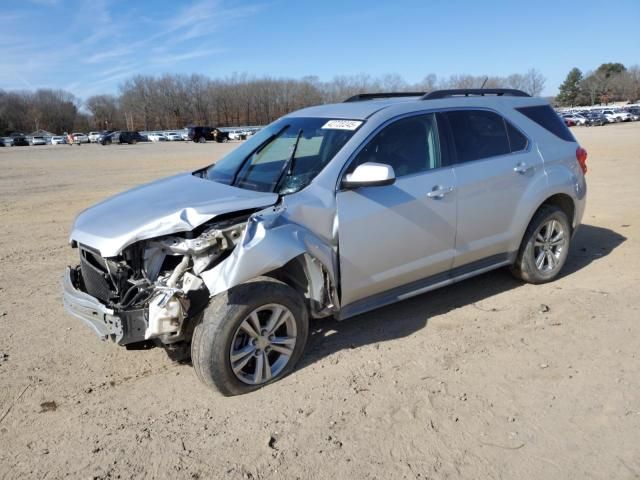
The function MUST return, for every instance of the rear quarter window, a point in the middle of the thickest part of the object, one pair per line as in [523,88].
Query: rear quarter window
[544,116]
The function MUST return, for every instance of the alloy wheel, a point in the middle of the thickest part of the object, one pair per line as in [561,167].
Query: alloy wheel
[550,242]
[263,344]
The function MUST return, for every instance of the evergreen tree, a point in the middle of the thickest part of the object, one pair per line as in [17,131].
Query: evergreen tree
[570,89]
[611,69]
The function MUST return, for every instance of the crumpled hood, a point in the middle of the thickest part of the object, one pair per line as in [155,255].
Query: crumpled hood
[174,204]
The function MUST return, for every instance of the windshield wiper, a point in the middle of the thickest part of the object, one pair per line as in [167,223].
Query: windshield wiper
[257,150]
[289,164]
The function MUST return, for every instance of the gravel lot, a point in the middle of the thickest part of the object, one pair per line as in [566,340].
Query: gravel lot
[485,379]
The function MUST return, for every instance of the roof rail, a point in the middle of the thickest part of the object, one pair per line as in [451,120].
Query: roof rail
[372,96]
[466,92]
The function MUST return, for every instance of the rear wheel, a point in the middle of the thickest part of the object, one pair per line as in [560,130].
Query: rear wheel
[202,140]
[545,246]
[250,336]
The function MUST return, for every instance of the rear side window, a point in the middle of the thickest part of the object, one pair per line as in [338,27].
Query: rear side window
[478,134]
[544,116]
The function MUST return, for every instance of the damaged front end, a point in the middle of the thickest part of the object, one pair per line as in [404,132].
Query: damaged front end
[149,293]
[146,293]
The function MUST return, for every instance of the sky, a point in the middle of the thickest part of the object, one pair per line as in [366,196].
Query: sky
[90,47]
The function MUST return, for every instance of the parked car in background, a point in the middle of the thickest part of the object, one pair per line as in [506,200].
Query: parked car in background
[93,137]
[132,137]
[173,136]
[19,140]
[236,135]
[103,135]
[156,137]
[202,134]
[80,137]
[109,138]
[302,221]
[616,115]
[595,119]
[575,118]
[635,113]
[568,121]
[6,142]
[37,140]
[184,134]
[58,140]
[624,115]
[121,137]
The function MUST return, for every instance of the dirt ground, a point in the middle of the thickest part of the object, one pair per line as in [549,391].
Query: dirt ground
[488,378]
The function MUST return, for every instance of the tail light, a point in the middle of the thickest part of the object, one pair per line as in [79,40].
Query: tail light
[581,156]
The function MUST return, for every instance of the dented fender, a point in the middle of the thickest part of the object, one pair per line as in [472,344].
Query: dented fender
[269,242]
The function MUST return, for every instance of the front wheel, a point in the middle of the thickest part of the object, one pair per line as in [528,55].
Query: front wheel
[202,140]
[250,336]
[545,246]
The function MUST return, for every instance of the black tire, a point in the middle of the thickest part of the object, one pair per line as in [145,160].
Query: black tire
[202,140]
[525,267]
[220,323]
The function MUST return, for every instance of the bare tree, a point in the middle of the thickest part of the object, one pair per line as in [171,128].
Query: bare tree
[175,101]
[517,81]
[428,83]
[625,85]
[53,110]
[105,112]
[593,87]
[534,82]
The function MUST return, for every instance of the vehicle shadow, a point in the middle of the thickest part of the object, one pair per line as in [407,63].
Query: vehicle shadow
[328,336]
[589,244]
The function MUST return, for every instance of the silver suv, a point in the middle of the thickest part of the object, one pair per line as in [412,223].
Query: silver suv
[333,210]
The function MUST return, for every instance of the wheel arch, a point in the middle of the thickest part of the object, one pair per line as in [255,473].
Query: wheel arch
[308,276]
[561,200]
[564,202]
[271,246]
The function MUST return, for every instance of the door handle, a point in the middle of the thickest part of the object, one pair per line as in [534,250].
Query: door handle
[439,192]
[522,168]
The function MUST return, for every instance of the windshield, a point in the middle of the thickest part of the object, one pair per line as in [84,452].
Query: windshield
[284,156]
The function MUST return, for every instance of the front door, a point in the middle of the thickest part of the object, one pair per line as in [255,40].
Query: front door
[391,236]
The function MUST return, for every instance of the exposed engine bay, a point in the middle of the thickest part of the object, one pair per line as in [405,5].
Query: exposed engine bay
[154,285]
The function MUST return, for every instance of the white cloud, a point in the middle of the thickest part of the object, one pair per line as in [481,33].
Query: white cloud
[102,46]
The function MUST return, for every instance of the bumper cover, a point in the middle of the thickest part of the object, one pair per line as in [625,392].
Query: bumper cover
[121,327]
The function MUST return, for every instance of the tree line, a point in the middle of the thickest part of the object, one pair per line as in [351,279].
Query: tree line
[174,101]
[609,82]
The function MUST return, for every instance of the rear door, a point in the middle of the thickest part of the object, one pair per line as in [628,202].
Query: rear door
[494,166]
[391,236]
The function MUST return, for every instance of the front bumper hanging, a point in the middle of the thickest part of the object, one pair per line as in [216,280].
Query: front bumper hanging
[121,327]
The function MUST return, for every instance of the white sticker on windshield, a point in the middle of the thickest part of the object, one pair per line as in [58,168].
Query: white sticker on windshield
[342,124]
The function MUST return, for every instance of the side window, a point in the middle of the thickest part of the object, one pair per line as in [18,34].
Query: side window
[478,134]
[410,146]
[544,116]
[517,141]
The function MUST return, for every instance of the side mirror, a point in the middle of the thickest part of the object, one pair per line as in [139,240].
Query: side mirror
[369,174]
